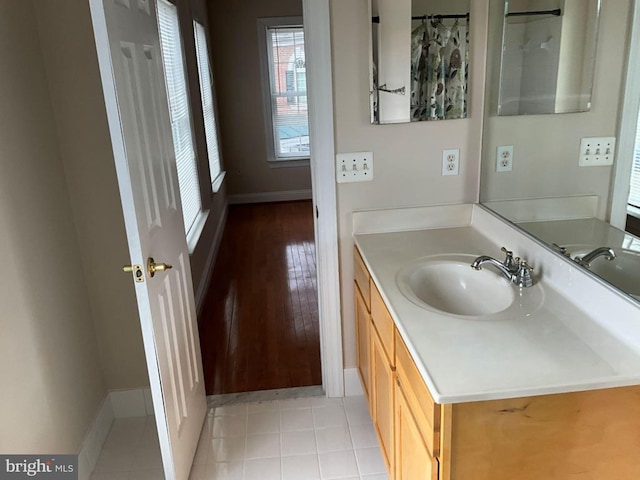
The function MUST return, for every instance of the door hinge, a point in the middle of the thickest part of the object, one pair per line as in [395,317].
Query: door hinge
[317,212]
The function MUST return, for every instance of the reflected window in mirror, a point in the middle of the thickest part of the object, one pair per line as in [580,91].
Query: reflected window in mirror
[419,60]
[633,203]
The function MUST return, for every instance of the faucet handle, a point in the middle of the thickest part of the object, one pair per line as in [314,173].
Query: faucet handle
[524,265]
[561,249]
[509,261]
[523,276]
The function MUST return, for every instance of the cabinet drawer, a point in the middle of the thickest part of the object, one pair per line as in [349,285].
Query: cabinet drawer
[425,410]
[361,274]
[383,323]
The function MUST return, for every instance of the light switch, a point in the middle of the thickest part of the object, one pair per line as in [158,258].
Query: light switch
[354,167]
[597,151]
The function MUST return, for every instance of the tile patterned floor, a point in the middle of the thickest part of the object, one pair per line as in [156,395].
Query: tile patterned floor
[296,439]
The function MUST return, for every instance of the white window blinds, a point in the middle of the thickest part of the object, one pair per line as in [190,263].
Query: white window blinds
[634,194]
[206,94]
[288,88]
[175,77]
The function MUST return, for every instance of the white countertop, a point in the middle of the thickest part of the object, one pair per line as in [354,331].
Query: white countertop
[558,348]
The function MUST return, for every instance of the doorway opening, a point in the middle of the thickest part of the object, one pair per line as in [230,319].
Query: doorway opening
[259,326]
[259,322]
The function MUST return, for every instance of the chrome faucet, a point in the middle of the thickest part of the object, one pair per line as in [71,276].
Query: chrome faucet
[513,269]
[605,252]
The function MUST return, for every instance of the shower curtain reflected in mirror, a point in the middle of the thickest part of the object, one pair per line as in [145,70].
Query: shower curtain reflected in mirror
[439,70]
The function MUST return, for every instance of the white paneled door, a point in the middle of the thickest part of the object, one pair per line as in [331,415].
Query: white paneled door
[130,63]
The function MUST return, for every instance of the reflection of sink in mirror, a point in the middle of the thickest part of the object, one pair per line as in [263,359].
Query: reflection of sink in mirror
[623,272]
[546,168]
[448,284]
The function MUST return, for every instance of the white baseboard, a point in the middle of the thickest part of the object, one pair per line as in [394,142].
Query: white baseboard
[94,439]
[131,403]
[117,404]
[203,288]
[352,385]
[265,197]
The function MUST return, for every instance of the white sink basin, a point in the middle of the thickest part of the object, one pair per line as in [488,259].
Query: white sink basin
[448,284]
[623,272]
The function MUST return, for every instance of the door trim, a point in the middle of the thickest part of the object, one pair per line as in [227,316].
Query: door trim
[317,29]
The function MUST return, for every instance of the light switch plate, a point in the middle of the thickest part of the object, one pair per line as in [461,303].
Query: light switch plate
[597,151]
[354,167]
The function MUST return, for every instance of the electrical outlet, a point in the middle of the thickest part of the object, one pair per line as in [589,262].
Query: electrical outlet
[450,161]
[354,167]
[597,151]
[504,158]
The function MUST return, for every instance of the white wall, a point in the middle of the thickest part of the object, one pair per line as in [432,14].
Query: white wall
[407,157]
[52,382]
[85,147]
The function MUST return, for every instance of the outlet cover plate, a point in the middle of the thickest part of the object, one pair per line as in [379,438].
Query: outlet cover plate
[597,151]
[451,161]
[354,167]
[504,158]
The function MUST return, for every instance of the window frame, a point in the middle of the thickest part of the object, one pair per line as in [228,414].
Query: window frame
[192,234]
[634,177]
[217,179]
[264,24]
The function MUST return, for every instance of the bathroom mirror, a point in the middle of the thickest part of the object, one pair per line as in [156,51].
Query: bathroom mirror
[531,173]
[419,60]
[548,56]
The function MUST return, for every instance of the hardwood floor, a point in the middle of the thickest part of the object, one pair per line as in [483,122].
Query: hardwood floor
[259,324]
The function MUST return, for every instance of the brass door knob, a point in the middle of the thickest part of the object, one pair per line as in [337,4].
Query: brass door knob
[153,267]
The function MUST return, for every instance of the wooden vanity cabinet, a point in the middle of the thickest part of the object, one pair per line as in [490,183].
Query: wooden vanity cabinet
[363,322]
[382,372]
[375,355]
[580,435]
[413,459]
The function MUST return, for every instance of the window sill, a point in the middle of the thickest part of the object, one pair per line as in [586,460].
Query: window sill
[196,231]
[296,162]
[216,185]
[633,211]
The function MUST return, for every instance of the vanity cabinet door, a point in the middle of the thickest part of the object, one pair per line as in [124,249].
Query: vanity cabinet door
[363,328]
[413,460]
[382,393]
[425,411]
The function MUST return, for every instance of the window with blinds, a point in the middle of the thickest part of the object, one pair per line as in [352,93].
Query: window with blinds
[288,91]
[180,112]
[634,194]
[208,108]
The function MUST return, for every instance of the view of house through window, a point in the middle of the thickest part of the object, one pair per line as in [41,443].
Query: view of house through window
[288,91]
